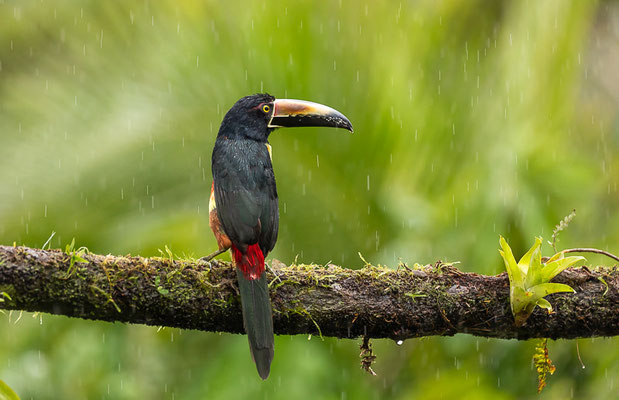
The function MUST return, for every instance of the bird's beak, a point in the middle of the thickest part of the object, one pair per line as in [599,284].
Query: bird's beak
[291,113]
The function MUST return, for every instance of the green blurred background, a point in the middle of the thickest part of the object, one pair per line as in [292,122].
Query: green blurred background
[472,119]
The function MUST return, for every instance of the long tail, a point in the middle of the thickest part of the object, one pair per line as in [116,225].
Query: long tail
[256,303]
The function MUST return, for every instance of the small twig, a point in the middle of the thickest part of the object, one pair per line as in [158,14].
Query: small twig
[444,316]
[271,268]
[367,358]
[591,250]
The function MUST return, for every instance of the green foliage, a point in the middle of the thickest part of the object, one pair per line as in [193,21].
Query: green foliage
[75,256]
[6,393]
[529,278]
[160,289]
[3,296]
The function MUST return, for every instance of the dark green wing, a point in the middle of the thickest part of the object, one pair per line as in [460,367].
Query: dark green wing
[245,193]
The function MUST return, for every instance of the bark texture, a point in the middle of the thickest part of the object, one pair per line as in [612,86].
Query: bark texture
[329,300]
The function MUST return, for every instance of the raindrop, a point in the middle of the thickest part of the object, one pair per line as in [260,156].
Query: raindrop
[399,342]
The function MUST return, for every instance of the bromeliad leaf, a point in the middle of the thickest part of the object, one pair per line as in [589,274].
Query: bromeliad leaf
[554,268]
[533,253]
[544,289]
[513,271]
[531,264]
[6,393]
[529,279]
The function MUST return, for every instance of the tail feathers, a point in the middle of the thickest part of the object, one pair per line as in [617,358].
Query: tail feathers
[258,319]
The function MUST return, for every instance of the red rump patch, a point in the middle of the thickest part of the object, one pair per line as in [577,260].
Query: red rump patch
[250,263]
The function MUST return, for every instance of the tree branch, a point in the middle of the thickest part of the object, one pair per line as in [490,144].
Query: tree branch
[375,302]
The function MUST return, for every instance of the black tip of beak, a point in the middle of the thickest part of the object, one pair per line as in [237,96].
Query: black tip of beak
[333,119]
[344,123]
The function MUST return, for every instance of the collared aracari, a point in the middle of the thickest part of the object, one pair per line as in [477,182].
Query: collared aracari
[243,207]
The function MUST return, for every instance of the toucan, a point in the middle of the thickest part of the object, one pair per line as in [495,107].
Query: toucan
[243,207]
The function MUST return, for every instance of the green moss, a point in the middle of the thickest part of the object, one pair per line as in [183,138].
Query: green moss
[415,295]
[95,290]
[7,292]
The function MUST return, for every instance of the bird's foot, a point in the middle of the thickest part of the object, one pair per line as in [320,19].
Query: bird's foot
[207,260]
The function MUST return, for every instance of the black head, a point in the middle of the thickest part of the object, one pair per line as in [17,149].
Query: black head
[249,118]
[254,117]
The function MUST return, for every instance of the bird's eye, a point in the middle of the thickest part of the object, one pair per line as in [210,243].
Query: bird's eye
[266,108]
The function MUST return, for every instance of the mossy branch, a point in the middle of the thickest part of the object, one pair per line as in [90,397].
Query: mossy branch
[374,302]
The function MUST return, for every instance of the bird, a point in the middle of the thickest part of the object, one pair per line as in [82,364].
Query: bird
[243,205]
